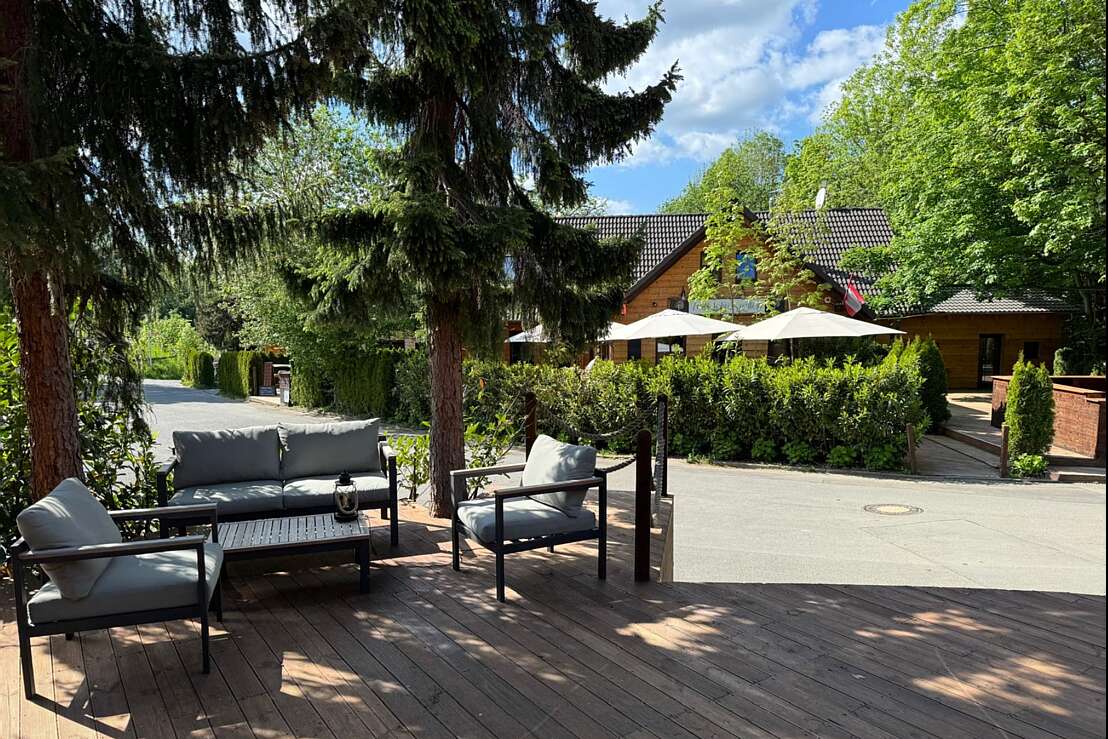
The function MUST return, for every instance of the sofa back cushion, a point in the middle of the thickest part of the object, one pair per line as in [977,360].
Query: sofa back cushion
[69,517]
[552,461]
[226,455]
[329,448]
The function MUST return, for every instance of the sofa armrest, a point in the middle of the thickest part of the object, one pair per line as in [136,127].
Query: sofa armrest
[162,481]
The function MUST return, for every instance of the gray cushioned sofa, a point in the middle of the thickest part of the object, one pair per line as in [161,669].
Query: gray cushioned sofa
[283,470]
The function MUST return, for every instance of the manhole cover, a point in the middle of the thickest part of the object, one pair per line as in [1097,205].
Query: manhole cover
[892,509]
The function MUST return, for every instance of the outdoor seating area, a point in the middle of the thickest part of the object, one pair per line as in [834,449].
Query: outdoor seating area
[428,652]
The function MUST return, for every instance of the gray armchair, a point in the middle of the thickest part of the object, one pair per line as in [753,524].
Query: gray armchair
[142,581]
[534,514]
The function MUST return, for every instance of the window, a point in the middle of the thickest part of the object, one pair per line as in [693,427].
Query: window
[746,268]
[671,345]
[1031,351]
[719,272]
[634,349]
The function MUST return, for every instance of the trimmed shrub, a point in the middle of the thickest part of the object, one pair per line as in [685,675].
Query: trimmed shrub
[1030,410]
[1028,465]
[842,456]
[199,369]
[364,383]
[237,373]
[309,386]
[799,453]
[923,356]
[413,387]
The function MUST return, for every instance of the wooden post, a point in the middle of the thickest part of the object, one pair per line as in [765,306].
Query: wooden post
[530,423]
[913,465]
[1003,450]
[642,506]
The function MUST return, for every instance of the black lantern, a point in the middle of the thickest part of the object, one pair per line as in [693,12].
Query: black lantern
[346,498]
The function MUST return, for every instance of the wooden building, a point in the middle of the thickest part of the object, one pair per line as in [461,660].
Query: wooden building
[978,338]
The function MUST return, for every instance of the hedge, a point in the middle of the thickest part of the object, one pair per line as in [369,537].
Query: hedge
[1030,409]
[807,411]
[198,369]
[925,356]
[237,373]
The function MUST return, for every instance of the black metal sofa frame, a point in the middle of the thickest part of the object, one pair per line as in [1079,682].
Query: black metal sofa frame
[20,557]
[499,547]
[389,512]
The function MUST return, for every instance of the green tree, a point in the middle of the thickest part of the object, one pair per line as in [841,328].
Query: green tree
[981,129]
[113,117]
[1029,410]
[753,169]
[479,95]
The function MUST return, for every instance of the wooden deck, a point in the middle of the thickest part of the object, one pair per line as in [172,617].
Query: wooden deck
[430,653]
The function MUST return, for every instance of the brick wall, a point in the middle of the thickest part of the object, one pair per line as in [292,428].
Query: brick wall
[1079,415]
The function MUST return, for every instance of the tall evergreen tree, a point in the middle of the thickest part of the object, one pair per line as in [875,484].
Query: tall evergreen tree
[112,115]
[480,93]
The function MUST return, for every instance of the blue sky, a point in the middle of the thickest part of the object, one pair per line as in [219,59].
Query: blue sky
[747,64]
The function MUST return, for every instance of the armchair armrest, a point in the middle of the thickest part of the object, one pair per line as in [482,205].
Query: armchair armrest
[166,512]
[99,551]
[548,487]
[162,481]
[500,469]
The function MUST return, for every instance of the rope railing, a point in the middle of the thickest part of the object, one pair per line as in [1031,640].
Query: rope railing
[651,480]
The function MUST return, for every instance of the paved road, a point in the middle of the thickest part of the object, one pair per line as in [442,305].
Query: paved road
[776,525]
[784,526]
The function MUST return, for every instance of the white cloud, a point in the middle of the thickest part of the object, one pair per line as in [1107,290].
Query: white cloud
[615,207]
[744,67]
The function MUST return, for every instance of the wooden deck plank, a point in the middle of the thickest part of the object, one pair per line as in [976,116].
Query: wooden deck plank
[429,652]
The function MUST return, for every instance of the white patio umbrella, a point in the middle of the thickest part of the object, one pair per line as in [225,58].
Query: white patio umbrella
[807,323]
[537,335]
[669,322]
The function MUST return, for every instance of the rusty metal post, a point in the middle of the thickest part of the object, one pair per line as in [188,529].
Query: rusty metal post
[643,480]
[530,423]
[913,464]
[1003,450]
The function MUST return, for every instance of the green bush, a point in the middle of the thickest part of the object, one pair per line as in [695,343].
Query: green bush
[1027,465]
[199,369]
[116,445]
[799,453]
[364,383]
[884,457]
[923,357]
[764,450]
[1030,410]
[842,456]
[413,387]
[310,388]
[238,372]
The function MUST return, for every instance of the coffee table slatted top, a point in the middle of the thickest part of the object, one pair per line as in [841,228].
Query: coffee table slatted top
[290,532]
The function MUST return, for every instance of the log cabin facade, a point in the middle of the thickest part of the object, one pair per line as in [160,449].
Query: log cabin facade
[978,338]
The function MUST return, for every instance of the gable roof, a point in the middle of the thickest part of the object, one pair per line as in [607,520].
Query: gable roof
[668,237]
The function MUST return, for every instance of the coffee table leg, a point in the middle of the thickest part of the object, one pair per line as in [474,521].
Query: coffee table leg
[363,562]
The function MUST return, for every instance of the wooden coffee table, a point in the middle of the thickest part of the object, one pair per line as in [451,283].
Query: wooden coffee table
[272,537]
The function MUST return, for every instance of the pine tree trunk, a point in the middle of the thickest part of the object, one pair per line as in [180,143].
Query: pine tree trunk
[47,375]
[44,361]
[447,442]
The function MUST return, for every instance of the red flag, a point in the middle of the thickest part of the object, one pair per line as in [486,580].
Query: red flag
[853,300]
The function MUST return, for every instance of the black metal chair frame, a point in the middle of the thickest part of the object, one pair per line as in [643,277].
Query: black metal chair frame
[389,511]
[499,546]
[21,556]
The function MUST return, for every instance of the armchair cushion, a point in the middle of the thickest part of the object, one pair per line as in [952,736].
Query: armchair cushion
[310,492]
[69,517]
[233,498]
[329,448]
[524,518]
[552,461]
[137,582]
[226,455]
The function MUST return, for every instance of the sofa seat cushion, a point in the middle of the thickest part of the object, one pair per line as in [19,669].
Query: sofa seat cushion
[524,518]
[226,455]
[319,491]
[552,461]
[70,516]
[313,450]
[234,498]
[135,582]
